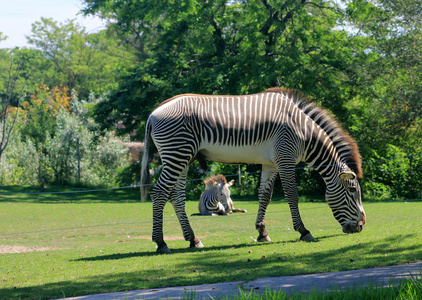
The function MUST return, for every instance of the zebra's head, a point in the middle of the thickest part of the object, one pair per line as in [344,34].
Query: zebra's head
[224,194]
[343,195]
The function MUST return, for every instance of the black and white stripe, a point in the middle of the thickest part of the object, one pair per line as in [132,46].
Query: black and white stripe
[216,200]
[216,193]
[276,129]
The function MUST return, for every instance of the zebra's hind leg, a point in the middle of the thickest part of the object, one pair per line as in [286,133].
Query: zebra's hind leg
[178,199]
[160,194]
[268,176]
[188,234]
[159,200]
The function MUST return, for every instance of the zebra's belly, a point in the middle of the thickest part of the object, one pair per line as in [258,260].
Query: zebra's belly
[261,154]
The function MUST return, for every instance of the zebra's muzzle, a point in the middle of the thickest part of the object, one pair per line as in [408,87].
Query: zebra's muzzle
[353,227]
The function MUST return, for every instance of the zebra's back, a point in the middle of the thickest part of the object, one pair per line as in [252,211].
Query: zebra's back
[234,129]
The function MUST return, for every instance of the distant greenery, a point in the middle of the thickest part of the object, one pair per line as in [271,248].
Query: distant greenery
[60,144]
[63,77]
[96,242]
[361,60]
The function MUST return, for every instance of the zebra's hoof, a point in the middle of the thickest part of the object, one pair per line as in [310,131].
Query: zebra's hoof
[307,238]
[199,244]
[263,238]
[196,243]
[163,250]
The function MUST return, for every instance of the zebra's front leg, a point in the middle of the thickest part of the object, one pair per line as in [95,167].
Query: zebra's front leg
[178,199]
[268,176]
[292,196]
[305,235]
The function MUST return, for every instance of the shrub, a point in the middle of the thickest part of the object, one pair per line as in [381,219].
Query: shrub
[19,162]
[75,142]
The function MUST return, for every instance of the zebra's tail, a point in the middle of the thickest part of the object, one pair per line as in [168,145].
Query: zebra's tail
[145,178]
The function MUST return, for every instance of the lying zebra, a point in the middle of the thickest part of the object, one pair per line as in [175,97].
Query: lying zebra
[215,200]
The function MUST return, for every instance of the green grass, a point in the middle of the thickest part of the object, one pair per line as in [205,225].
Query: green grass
[99,242]
[407,289]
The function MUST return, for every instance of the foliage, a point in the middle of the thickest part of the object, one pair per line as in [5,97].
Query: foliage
[80,60]
[359,59]
[309,182]
[41,112]
[19,164]
[64,54]
[249,177]
[9,111]
[395,178]
[73,143]
[387,113]
[130,174]
[73,151]
[225,47]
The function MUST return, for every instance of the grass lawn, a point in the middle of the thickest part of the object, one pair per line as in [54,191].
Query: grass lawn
[76,244]
[407,289]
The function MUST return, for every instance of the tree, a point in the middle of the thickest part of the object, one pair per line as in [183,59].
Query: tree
[74,143]
[81,61]
[41,111]
[358,58]
[9,114]
[226,47]
[388,110]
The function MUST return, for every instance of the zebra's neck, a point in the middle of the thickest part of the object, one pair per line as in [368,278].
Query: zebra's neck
[322,154]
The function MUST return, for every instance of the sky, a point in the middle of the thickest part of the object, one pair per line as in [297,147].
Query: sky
[16,17]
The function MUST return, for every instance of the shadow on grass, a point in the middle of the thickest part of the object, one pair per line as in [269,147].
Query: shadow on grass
[212,267]
[118,256]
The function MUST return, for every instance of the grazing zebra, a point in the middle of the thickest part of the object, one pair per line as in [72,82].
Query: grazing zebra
[277,129]
[215,200]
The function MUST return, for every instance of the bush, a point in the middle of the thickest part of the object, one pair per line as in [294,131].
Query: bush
[75,142]
[19,162]
[393,175]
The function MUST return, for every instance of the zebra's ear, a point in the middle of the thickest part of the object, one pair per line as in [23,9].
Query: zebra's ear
[347,175]
[231,182]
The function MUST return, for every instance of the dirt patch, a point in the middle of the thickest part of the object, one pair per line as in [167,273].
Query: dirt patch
[22,249]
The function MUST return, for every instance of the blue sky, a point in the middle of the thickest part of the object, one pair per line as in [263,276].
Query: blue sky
[16,17]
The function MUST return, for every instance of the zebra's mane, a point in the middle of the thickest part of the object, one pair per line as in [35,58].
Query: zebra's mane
[346,146]
[216,178]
